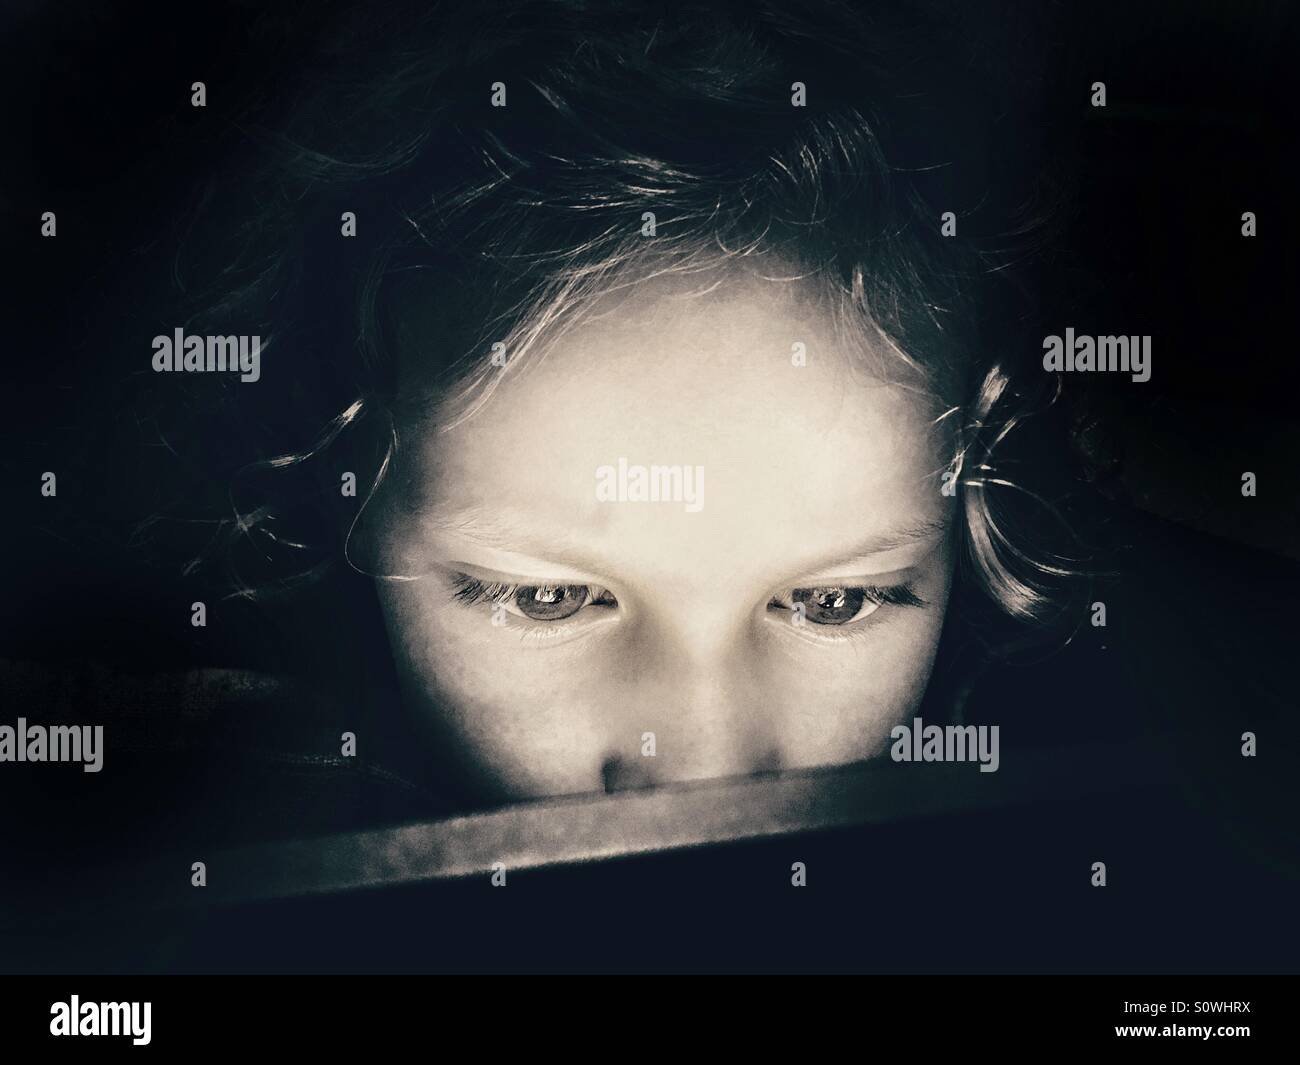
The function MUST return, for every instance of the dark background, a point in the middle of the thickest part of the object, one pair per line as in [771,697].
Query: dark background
[1199,127]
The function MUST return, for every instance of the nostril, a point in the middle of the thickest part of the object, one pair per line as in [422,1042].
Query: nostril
[619,775]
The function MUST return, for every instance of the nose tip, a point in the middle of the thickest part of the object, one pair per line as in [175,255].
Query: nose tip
[619,773]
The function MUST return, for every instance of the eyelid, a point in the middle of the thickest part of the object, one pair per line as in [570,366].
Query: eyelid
[902,593]
[471,590]
[492,576]
[892,581]
[913,562]
[498,565]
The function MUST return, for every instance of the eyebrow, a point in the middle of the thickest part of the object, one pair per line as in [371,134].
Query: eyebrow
[891,540]
[492,531]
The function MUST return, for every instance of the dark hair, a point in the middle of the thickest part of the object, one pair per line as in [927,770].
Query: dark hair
[510,218]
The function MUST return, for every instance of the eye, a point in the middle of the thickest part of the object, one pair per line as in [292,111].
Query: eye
[832,606]
[536,602]
[550,602]
[839,604]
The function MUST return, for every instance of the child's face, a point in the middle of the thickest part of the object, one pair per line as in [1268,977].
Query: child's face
[731,621]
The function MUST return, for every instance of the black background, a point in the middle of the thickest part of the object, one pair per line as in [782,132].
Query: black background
[1199,127]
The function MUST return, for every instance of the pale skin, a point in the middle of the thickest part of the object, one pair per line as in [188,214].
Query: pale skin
[690,625]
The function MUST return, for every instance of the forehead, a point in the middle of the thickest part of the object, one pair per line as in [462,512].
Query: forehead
[799,454]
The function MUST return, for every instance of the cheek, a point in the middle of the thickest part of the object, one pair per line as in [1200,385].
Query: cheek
[543,721]
[836,704]
[521,717]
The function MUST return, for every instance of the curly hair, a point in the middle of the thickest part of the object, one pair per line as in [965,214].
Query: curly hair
[512,219]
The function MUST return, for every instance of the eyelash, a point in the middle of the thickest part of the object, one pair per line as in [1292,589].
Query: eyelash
[471,591]
[893,595]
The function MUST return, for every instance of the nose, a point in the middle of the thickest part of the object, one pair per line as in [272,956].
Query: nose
[693,717]
[621,772]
